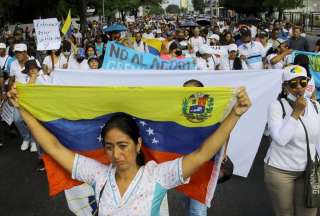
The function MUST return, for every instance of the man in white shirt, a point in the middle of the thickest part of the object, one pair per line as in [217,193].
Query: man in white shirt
[148,34]
[251,52]
[78,36]
[5,59]
[140,45]
[196,41]
[18,65]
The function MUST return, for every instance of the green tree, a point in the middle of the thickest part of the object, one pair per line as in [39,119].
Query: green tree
[172,8]
[155,9]
[199,5]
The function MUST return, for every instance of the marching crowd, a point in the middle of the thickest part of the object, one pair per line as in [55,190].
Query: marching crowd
[222,45]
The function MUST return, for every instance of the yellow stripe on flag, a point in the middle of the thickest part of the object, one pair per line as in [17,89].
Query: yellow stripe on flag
[67,24]
[48,103]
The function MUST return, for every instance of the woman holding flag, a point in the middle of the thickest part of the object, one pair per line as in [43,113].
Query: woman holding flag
[128,186]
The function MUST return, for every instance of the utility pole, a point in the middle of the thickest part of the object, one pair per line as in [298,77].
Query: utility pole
[103,11]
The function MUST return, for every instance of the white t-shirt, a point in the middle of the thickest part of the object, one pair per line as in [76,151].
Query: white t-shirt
[254,52]
[148,36]
[281,64]
[73,64]
[4,60]
[196,43]
[144,194]
[203,64]
[16,69]
[141,47]
[59,64]
[227,64]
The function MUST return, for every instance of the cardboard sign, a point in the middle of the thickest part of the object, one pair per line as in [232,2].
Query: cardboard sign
[48,34]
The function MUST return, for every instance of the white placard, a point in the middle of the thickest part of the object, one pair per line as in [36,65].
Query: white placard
[48,34]
[7,113]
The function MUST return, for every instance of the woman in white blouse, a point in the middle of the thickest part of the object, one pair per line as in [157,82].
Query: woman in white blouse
[129,187]
[58,59]
[286,159]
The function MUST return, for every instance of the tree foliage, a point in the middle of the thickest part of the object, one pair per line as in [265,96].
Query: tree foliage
[198,5]
[173,9]
[155,10]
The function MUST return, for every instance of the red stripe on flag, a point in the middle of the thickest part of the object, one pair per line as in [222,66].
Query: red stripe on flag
[198,185]
[59,179]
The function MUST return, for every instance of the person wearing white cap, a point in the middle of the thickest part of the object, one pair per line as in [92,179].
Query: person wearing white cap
[5,59]
[213,40]
[281,57]
[206,60]
[286,159]
[232,61]
[17,66]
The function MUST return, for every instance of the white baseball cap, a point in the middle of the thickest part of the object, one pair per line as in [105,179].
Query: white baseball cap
[232,47]
[293,71]
[3,46]
[206,49]
[276,43]
[20,47]
[214,36]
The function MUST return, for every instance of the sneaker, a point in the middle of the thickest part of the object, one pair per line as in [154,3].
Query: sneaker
[33,147]
[41,166]
[24,145]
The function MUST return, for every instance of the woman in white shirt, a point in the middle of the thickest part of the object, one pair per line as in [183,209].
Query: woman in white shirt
[286,159]
[128,186]
[232,61]
[58,59]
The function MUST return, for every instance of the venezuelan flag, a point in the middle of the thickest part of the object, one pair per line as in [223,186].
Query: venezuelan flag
[154,45]
[67,24]
[174,121]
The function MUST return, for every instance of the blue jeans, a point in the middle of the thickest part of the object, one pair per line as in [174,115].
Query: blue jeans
[22,127]
[195,208]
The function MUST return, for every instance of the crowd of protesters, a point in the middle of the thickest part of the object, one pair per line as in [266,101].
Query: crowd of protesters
[220,45]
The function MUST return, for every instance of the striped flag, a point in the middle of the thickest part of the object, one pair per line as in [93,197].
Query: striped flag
[67,24]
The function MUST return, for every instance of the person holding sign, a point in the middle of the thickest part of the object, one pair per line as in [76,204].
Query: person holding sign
[58,59]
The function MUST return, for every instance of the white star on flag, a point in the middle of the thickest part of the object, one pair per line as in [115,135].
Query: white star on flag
[150,131]
[99,138]
[143,123]
[155,141]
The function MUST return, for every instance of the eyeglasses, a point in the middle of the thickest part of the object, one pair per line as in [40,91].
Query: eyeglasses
[294,83]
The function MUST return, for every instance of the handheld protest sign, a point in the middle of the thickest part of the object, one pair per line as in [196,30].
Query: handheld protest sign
[48,34]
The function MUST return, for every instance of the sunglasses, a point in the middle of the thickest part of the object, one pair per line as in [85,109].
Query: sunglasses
[294,83]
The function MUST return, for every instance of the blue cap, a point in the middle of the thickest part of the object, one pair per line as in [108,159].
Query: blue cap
[81,53]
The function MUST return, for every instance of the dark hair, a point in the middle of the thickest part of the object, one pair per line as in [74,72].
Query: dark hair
[237,64]
[318,42]
[127,125]
[303,61]
[193,82]
[66,46]
[90,46]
